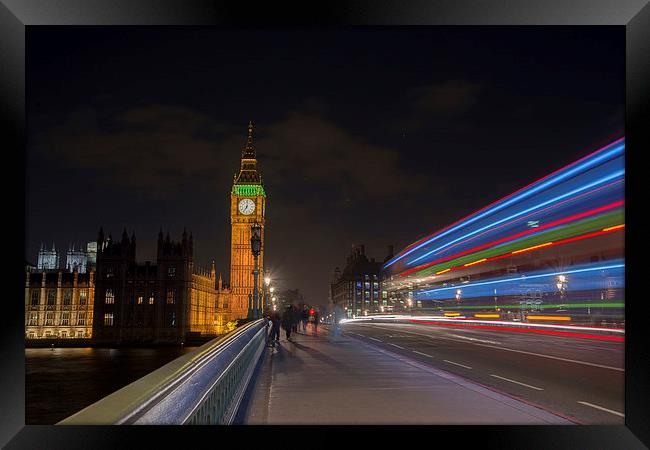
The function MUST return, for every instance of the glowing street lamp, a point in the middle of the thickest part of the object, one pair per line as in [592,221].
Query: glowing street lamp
[561,285]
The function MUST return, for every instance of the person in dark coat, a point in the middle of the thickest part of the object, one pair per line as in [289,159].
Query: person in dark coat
[296,318]
[316,321]
[304,318]
[288,321]
[275,328]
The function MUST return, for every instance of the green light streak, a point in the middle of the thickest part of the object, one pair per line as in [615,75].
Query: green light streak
[575,229]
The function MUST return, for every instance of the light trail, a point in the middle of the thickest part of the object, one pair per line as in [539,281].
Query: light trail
[548,244]
[501,347]
[526,330]
[614,147]
[556,318]
[528,277]
[536,231]
[555,205]
[417,319]
[532,230]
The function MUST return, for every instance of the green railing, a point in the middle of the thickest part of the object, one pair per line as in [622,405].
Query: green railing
[205,386]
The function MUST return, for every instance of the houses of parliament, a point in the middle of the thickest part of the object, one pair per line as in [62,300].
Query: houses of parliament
[106,295]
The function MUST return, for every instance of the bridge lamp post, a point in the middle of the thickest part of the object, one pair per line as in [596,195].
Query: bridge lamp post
[256,247]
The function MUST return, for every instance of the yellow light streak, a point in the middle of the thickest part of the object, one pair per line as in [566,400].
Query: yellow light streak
[565,318]
[452,314]
[487,316]
[475,262]
[443,271]
[614,227]
[531,248]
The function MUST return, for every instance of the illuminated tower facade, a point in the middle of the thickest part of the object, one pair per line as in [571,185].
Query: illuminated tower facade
[48,259]
[247,206]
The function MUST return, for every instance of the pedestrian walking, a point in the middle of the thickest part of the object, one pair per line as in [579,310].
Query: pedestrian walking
[275,328]
[288,319]
[295,318]
[304,318]
[316,321]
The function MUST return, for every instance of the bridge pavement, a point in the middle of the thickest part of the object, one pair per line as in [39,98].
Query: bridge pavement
[326,379]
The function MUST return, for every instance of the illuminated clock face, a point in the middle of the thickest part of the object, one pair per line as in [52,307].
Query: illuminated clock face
[246,206]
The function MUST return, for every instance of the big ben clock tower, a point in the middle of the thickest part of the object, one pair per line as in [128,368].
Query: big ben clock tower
[247,207]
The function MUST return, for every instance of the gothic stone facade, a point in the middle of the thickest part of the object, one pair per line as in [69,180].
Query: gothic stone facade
[169,302]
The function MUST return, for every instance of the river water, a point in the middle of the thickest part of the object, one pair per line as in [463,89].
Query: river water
[60,382]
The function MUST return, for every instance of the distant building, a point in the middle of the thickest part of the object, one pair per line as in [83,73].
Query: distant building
[91,253]
[357,289]
[82,260]
[59,301]
[58,304]
[48,259]
[76,260]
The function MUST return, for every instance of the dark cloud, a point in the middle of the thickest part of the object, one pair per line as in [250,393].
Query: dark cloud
[450,98]
[310,148]
[153,149]
[440,106]
[156,149]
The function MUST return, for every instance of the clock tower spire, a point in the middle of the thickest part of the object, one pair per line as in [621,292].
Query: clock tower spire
[248,171]
[247,207]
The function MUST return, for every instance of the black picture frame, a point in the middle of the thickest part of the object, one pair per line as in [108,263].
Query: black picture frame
[16,15]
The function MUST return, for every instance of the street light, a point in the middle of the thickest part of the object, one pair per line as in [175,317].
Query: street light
[561,285]
[255,309]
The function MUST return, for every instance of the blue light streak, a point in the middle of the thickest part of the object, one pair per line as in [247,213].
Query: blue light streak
[523,278]
[593,161]
[540,205]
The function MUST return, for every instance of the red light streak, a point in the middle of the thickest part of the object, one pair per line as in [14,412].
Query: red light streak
[517,235]
[554,205]
[525,330]
[510,195]
[564,241]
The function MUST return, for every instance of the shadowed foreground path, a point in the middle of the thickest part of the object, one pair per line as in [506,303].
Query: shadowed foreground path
[320,379]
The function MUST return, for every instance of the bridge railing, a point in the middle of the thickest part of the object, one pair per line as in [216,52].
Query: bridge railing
[205,386]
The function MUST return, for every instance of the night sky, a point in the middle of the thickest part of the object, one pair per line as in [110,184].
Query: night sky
[373,136]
